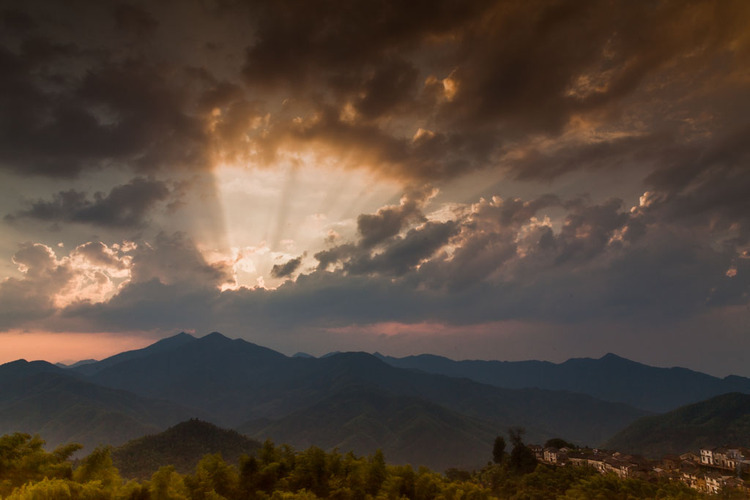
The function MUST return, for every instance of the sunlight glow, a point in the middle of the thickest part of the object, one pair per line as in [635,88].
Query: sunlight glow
[292,211]
[66,347]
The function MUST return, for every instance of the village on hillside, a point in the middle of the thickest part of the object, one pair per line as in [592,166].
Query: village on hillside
[710,471]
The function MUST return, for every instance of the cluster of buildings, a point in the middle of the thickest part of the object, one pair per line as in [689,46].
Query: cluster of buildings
[711,471]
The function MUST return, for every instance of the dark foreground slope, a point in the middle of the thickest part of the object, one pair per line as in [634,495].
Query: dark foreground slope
[723,420]
[40,398]
[610,378]
[181,446]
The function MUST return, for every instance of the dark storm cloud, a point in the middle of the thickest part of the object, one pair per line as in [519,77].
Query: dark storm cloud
[173,259]
[129,113]
[134,19]
[389,221]
[493,73]
[299,43]
[605,261]
[404,253]
[286,269]
[128,205]
[417,90]
[16,20]
[77,96]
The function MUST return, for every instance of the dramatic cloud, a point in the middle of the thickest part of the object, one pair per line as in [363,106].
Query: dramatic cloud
[285,270]
[569,170]
[124,206]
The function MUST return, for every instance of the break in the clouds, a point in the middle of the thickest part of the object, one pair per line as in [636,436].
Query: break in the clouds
[507,178]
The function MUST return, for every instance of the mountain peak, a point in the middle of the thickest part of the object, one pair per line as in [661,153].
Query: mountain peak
[215,336]
[610,356]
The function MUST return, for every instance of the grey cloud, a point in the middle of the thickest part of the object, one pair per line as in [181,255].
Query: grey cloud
[173,259]
[16,20]
[518,69]
[135,20]
[127,205]
[388,221]
[99,254]
[298,42]
[404,253]
[517,270]
[31,297]
[392,85]
[286,269]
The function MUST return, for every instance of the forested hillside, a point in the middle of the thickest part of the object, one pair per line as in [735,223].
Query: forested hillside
[720,421]
[28,472]
[181,446]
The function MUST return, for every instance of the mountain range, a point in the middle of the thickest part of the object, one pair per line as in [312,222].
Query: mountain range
[350,401]
[40,398]
[610,378]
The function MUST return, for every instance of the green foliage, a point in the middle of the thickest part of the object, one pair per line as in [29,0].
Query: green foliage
[23,459]
[279,473]
[167,484]
[376,473]
[213,478]
[98,467]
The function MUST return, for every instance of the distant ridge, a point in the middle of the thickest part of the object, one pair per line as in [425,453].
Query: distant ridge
[720,421]
[77,363]
[611,378]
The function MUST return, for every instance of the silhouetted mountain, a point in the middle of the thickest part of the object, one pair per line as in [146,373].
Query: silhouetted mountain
[722,420]
[329,401]
[237,381]
[181,446]
[40,398]
[407,429]
[162,345]
[231,379]
[610,378]
[581,418]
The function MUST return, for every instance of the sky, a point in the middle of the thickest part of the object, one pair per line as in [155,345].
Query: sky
[477,179]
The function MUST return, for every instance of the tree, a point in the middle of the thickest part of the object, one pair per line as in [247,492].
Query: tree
[376,473]
[98,467]
[213,476]
[167,484]
[522,459]
[23,459]
[498,450]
